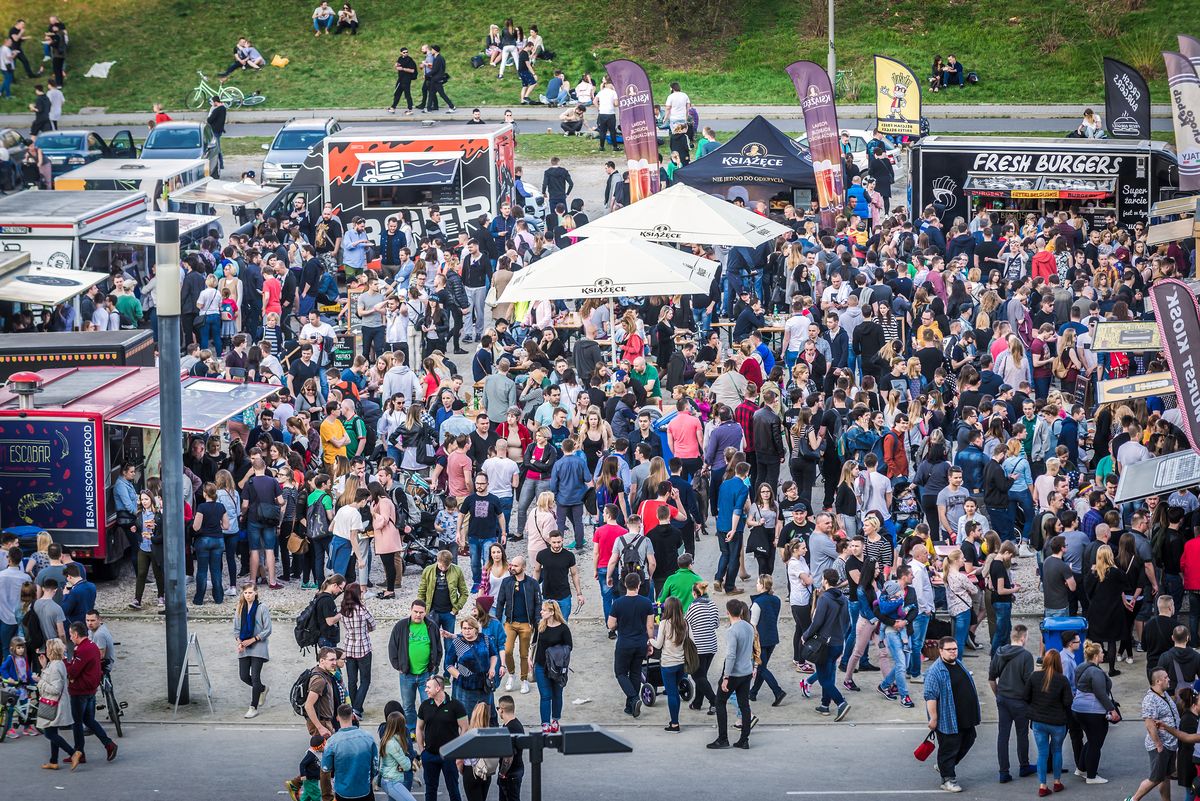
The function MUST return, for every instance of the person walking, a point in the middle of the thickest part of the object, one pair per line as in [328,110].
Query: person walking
[473,664]
[440,719]
[1094,709]
[1008,676]
[702,622]
[952,704]
[518,603]
[252,628]
[736,676]
[443,592]
[1048,695]
[84,673]
[54,707]
[357,623]
[632,617]
[830,620]
[1158,708]
[668,640]
[414,651]
[764,616]
[552,643]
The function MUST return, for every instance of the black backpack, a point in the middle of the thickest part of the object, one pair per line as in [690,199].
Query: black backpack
[308,626]
[630,560]
[299,692]
[558,664]
[316,523]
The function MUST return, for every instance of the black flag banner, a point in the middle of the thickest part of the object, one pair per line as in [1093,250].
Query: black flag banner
[1178,318]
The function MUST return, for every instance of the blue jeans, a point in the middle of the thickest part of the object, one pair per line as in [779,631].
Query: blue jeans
[264,536]
[895,645]
[606,592]
[727,566]
[327,24]
[714,485]
[849,635]
[231,562]
[83,710]
[827,675]
[479,552]
[962,624]
[574,513]
[6,88]
[1049,741]
[1024,500]
[1003,625]
[446,621]
[552,695]
[396,791]
[1002,522]
[434,768]
[412,687]
[703,318]
[506,507]
[917,643]
[1041,386]
[210,331]
[9,630]
[339,554]
[564,604]
[208,551]
[670,679]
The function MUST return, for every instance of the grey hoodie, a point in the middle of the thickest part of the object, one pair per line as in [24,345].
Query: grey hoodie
[401,380]
[1011,666]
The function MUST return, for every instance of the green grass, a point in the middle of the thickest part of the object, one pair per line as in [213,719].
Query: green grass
[159,44]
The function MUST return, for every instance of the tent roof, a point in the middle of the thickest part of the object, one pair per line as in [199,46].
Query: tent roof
[759,154]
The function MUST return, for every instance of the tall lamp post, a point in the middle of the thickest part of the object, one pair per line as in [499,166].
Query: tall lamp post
[831,66]
[167,296]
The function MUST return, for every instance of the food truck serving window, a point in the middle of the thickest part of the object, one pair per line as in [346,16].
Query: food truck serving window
[1032,187]
[207,403]
[402,183]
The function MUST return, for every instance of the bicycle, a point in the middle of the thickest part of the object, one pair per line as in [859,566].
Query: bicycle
[231,96]
[115,709]
[16,709]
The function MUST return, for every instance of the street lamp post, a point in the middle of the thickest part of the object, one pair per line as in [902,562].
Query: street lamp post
[167,296]
[831,66]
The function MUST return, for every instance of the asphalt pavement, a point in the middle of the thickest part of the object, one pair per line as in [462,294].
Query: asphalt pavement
[187,761]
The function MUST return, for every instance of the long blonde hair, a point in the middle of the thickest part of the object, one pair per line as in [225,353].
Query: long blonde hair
[954,560]
[241,602]
[545,501]
[349,490]
[555,614]
[658,473]
[1104,561]
[1016,350]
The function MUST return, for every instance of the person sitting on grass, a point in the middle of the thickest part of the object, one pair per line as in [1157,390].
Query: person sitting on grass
[246,57]
[571,121]
[952,72]
[323,18]
[347,20]
[558,91]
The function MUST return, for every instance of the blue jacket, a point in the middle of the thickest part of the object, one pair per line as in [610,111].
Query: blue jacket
[858,195]
[569,478]
[75,605]
[972,462]
[731,500]
[352,756]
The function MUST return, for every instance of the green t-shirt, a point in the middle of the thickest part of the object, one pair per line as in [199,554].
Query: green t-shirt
[419,649]
[130,307]
[315,495]
[651,374]
[356,430]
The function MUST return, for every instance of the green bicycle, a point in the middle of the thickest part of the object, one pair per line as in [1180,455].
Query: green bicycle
[231,96]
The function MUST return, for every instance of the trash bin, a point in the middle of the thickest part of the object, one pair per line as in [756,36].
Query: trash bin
[660,426]
[1053,628]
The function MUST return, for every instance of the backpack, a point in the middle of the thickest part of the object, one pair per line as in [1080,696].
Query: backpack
[477,61]
[327,289]
[317,525]
[299,692]
[308,626]
[630,560]
[558,664]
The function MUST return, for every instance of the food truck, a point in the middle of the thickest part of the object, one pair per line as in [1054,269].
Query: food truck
[158,179]
[51,226]
[75,349]
[63,443]
[958,175]
[377,173]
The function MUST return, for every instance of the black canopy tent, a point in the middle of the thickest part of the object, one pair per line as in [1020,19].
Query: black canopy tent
[760,163]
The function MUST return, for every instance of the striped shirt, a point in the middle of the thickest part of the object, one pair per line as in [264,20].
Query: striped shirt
[880,551]
[357,628]
[702,622]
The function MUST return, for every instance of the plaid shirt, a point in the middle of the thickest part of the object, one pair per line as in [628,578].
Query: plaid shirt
[743,415]
[357,628]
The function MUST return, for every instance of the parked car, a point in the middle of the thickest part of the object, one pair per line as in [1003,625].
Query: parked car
[67,150]
[858,146]
[14,142]
[184,140]
[291,145]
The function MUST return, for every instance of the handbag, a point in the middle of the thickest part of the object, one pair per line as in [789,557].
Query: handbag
[814,650]
[923,751]
[297,544]
[484,768]
[691,657]
[269,513]
[47,711]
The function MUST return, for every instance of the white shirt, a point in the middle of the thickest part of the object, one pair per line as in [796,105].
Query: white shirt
[348,521]
[1132,452]
[677,105]
[838,295]
[606,100]
[922,586]
[795,329]
[320,331]
[56,103]
[583,92]
[799,594]
[500,471]
[7,59]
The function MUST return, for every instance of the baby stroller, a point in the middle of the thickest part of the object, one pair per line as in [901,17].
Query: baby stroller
[906,507]
[421,548]
[652,683]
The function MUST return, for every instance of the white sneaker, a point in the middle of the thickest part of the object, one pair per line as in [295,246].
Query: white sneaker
[524,687]
[951,786]
[262,697]
[1080,773]
[251,713]
[1098,779]
[508,683]
[231,591]
[1129,660]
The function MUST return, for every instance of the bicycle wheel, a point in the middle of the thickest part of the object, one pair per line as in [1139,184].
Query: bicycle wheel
[232,96]
[114,709]
[6,723]
[254,99]
[197,99]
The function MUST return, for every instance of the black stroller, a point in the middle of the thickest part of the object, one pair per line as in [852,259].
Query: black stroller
[421,547]
[652,683]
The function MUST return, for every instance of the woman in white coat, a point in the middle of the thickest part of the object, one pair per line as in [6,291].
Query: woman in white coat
[54,705]
[252,629]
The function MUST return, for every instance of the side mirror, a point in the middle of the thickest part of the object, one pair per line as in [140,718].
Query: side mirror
[265,146]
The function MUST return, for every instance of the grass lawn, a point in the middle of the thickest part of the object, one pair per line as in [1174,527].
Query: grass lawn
[1026,51]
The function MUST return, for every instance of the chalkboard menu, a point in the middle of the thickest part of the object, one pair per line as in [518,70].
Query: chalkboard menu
[345,346]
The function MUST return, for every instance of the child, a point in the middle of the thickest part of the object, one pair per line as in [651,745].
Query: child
[446,525]
[229,313]
[17,671]
[891,604]
[307,786]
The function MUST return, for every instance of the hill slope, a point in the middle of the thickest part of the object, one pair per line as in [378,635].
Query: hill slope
[1029,51]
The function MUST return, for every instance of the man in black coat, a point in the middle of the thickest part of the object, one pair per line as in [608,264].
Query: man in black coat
[437,80]
[867,342]
[216,121]
[880,168]
[193,285]
[768,443]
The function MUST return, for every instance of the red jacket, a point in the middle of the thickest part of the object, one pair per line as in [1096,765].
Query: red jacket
[894,455]
[523,433]
[83,669]
[1190,564]
[1044,265]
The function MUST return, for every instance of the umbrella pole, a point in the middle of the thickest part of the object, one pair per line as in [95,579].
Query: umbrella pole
[612,333]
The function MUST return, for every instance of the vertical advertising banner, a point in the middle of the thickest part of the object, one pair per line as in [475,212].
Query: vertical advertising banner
[1126,101]
[1183,87]
[1178,318]
[635,115]
[897,98]
[820,122]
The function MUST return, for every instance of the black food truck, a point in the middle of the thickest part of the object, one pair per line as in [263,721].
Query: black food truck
[75,349]
[1014,176]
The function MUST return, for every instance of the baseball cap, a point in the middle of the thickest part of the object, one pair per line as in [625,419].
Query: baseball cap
[1005,388]
[458,406]
[799,506]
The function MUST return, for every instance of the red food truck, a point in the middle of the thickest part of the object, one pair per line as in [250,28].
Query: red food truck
[62,445]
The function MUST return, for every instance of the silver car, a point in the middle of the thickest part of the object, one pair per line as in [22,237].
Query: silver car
[184,140]
[290,147]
